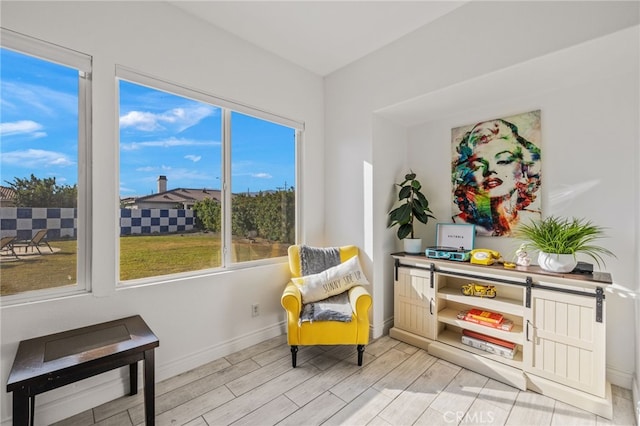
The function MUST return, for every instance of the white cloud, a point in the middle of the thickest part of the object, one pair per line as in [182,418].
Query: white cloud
[144,121]
[261,175]
[167,143]
[38,98]
[179,119]
[36,158]
[125,190]
[179,176]
[145,169]
[184,178]
[194,158]
[22,127]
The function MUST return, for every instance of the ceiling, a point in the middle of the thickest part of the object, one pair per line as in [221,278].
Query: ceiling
[320,36]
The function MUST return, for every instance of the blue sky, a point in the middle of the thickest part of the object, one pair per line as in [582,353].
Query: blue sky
[38,119]
[160,134]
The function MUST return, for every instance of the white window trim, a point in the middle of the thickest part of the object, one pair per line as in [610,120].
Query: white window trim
[137,77]
[227,107]
[83,63]
[45,50]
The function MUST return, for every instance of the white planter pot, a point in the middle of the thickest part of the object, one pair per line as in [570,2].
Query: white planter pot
[413,245]
[554,262]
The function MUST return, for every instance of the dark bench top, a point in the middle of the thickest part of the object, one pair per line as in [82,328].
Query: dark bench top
[39,358]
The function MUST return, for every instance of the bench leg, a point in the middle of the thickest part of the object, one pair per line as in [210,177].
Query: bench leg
[32,410]
[149,388]
[133,378]
[20,409]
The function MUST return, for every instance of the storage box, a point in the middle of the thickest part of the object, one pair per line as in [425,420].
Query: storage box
[489,347]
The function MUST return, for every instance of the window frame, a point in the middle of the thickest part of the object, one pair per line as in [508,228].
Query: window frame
[81,62]
[226,107]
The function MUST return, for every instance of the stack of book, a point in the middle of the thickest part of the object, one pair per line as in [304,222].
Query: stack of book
[489,344]
[486,318]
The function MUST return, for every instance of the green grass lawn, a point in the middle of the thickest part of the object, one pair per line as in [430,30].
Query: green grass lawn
[141,257]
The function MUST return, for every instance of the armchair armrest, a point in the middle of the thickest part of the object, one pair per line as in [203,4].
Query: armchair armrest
[291,301]
[360,301]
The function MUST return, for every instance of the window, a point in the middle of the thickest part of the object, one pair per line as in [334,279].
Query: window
[262,187]
[44,173]
[202,184]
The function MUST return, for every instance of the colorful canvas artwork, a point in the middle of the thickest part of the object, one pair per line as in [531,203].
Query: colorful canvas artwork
[496,173]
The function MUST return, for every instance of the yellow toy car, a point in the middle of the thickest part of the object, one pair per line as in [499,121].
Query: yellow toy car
[478,290]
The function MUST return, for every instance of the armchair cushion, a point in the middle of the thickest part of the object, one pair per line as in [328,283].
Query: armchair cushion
[331,282]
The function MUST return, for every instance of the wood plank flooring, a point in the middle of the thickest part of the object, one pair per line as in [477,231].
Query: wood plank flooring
[398,384]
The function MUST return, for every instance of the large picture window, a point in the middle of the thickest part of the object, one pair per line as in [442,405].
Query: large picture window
[44,173]
[202,185]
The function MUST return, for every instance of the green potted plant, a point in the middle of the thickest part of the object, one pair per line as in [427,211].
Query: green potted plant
[413,206]
[559,240]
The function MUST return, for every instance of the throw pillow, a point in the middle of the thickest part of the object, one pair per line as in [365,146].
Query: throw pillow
[332,281]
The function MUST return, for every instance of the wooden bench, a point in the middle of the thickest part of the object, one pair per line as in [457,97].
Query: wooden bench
[52,361]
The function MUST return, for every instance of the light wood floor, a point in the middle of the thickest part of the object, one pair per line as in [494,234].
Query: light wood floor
[397,385]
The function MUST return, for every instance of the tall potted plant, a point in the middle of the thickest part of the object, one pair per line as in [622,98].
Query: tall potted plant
[413,206]
[559,240]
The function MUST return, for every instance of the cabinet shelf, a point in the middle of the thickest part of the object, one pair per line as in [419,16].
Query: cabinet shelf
[500,304]
[515,335]
[454,339]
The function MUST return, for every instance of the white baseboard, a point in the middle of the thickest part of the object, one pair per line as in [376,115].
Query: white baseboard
[379,330]
[619,378]
[79,397]
[220,350]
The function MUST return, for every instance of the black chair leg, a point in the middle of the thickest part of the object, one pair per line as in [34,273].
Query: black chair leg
[294,354]
[360,354]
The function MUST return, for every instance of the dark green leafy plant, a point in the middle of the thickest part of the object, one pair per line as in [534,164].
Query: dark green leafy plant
[564,236]
[43,192]
[414,206]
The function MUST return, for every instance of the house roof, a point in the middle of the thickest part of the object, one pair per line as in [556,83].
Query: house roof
[181,195]
[7,193]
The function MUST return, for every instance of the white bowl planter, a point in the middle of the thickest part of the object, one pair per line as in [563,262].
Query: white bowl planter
[413,245]
[554,262]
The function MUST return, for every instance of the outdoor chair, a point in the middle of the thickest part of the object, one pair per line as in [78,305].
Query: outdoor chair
[39,239]
[331,323]
[7,244]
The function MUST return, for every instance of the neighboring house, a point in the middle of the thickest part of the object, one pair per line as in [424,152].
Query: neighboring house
[7,197]
[180,198]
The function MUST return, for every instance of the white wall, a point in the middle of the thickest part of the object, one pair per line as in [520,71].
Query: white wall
[478,40]
[196,319]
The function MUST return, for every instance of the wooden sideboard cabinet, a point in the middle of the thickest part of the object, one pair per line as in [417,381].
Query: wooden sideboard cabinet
[559,325]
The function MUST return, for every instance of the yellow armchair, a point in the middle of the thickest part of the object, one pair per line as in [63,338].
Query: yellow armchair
[299,333]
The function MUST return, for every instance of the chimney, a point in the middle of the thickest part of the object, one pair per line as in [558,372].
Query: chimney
[162,184]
